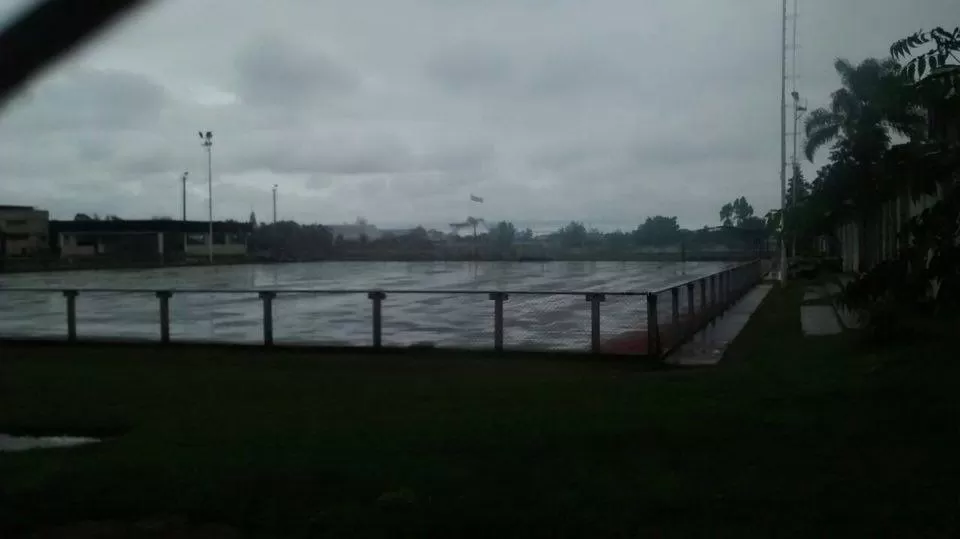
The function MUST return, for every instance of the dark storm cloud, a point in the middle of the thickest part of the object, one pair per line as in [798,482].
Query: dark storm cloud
[90,100]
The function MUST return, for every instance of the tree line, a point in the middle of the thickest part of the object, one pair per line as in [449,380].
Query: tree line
[891,132]
[738,228]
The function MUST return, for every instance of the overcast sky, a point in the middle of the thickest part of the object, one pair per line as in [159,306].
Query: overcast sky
[605,111]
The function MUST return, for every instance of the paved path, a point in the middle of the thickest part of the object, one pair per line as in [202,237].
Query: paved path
[709,346]
[818,320]
[832,288]
[823,292]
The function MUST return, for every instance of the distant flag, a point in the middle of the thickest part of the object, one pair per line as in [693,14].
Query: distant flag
[475,198]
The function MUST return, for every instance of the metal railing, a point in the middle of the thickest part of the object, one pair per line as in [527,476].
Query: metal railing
[650,322]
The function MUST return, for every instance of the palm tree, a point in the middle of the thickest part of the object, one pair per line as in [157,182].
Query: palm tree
[872,103]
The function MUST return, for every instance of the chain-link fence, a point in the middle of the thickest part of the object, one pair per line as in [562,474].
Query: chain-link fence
[33,314]
[213,317]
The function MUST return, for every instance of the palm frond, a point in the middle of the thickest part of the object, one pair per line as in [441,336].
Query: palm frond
[817,138]
[844,104]
[819,119]
[846,70]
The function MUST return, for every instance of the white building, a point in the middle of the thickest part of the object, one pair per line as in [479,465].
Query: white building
[357,231]
[23,230]
[880,240]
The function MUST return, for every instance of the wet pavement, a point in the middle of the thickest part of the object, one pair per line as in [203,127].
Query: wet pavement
[709,346]
[452,311]
[816,320]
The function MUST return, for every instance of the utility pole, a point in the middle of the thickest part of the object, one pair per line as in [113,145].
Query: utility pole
[183,179]
[798,111]
[783,149]
[274,203]
[206,140]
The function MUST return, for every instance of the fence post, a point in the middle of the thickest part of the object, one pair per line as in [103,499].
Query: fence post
[164,297]
[595,300]
[267,298]
[713,291]
[498,299]
[71,296]
[703,295]
[675,307]
[653,327]
[377,298]
[721,291]
[691,308]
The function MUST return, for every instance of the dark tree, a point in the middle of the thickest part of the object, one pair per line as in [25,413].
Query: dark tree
[658,230]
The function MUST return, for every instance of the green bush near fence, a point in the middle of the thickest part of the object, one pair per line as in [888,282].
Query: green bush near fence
[792,437]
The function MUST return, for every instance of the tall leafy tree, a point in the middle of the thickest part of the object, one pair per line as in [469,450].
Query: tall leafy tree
[742,211]
[658,230]
[574,234]
[737,213]
[287,239]
[503,235]
[726,214]
[797,187]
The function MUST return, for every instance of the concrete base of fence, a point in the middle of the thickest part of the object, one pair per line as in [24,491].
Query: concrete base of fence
[671,335]
[709,346]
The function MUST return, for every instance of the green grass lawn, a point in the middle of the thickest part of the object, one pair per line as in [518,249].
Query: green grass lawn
[793,436]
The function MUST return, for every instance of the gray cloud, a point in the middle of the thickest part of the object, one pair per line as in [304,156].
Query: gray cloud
[274,72]
[472,68]
[87,100]
[608,111]
[324,154]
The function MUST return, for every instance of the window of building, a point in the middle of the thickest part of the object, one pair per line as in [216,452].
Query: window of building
[17,237]
[16,222]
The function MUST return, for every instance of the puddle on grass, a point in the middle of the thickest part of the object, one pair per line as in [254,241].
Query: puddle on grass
[25,443]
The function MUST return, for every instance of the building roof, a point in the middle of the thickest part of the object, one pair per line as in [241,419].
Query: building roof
[7,207]
[148,226]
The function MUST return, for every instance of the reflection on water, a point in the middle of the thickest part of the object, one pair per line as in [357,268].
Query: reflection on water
[543,321]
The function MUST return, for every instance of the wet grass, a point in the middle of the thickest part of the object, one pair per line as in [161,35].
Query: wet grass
[791,437]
